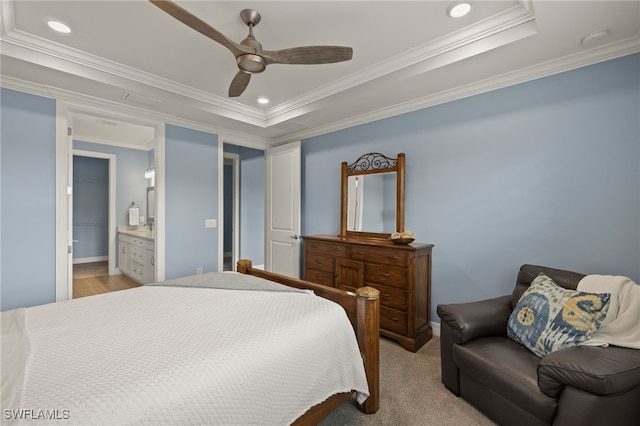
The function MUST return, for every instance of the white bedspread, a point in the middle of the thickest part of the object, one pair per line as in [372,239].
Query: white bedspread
[171,355]
[621,326]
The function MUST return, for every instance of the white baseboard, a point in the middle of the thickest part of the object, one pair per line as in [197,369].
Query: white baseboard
[90,259]
[435,328]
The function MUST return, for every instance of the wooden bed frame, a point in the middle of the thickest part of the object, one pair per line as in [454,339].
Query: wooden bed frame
[363,310]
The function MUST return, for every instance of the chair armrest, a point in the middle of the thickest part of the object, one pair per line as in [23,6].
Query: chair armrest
[597,370]
[477,319]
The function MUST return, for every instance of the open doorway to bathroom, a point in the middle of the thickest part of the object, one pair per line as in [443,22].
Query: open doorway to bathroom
[101,194]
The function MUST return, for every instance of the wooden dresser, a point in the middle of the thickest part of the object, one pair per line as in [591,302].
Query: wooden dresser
[402,274]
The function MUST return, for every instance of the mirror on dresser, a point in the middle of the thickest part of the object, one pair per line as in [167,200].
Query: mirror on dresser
[372,196]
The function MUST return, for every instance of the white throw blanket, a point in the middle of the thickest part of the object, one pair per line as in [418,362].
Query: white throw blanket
[621,327]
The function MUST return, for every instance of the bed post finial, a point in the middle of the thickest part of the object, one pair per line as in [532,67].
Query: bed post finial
[243,266]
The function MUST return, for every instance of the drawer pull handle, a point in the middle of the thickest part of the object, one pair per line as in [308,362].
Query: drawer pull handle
[393,318]
[362,252]
[384,274]
[394,257]
[385,295]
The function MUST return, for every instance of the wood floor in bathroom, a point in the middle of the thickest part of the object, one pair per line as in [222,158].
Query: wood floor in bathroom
[93,278]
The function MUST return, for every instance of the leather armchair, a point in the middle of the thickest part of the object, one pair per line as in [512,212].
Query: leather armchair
[581,385]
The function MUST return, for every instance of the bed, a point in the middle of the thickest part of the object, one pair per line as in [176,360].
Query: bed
[251,347]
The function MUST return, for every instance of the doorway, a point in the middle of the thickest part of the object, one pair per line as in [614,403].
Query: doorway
[93,217]
[100,193]
[231,202]
[241,206]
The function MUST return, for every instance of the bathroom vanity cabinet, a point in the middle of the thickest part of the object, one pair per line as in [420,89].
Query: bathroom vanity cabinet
[137,255]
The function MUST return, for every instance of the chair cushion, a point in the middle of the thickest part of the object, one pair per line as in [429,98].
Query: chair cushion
[508,369]
[548,317]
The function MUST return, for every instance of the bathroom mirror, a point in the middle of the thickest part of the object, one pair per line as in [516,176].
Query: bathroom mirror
[372,196]
[151,204]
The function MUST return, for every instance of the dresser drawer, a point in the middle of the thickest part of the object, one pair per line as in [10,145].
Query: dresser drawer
[392,297]
[339,250]
[383,274]
[393,320]
[387,256]
[319,277]
[320,262]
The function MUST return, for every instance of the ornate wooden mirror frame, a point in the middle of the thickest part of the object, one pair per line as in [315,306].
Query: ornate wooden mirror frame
[372,163]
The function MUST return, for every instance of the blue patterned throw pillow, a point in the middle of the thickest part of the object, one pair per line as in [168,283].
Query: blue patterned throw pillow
[548,317]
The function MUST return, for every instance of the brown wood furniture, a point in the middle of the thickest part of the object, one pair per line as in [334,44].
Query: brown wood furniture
[362,308]
[402,274]
[363,255]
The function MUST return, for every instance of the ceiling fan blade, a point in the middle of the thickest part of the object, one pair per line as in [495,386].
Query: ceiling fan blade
[308,55]
[239,83]
[199,25]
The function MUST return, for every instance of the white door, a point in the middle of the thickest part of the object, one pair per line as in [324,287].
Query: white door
[282,193]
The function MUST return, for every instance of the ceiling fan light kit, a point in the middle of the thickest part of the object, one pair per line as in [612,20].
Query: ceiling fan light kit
[250,57]
[251,63]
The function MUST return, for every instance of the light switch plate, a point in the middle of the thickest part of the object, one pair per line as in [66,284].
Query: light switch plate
[210,223]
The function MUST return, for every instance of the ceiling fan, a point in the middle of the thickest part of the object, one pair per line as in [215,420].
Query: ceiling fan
[250,57]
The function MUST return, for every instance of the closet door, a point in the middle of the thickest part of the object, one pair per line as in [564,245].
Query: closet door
[282,251]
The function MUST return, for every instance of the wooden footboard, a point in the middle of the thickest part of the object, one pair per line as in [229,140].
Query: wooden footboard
[363,310]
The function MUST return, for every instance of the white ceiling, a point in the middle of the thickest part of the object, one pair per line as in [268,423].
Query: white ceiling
[131,58]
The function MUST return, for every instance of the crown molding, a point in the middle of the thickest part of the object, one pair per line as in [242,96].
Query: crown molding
[21,45]
[592,56]
[82,103]
[92,105]
[24,86]
[518,16]
[493,27]
[26,46]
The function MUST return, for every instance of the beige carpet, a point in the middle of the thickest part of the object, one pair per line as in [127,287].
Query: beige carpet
[411,393]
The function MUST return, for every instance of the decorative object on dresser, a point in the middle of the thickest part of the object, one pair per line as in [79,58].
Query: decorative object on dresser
[364,254]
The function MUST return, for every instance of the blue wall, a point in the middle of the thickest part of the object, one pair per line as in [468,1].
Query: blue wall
[191,196]
[28,210]
[546,172]
[90,207]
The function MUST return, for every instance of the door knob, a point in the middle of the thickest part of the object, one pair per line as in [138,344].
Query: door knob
[295,237]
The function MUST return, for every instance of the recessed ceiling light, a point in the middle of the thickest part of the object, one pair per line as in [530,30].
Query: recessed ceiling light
[58,26]
[263,100]
[458,10]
